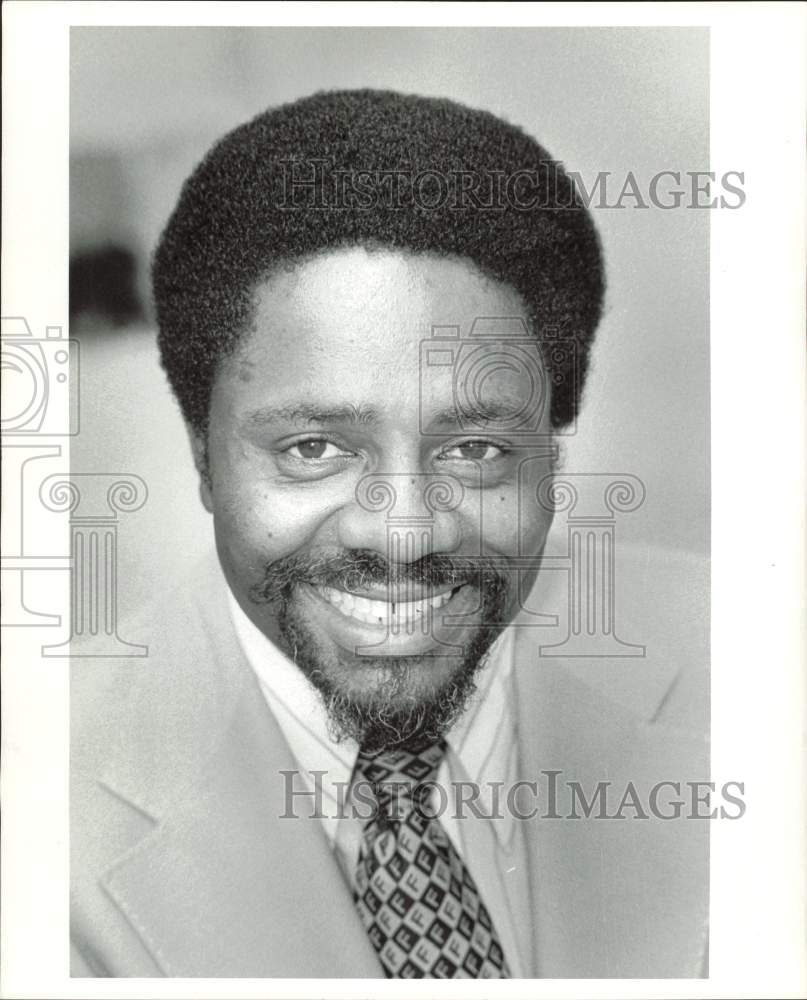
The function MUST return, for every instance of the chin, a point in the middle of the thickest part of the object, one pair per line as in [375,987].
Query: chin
[382,701]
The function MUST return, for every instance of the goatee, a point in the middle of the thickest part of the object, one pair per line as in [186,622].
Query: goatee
[397,711]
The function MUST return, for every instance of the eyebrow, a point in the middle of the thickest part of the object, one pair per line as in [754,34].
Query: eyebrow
[312,413]
[478,413]
[450,417]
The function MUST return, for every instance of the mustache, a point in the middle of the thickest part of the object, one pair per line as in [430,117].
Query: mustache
[357,569]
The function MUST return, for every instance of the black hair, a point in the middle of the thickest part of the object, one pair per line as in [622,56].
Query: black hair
[369,167]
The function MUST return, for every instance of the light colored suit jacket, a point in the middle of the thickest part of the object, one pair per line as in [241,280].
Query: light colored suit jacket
[182,864]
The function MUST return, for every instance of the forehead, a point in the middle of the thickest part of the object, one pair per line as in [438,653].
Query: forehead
[352,322]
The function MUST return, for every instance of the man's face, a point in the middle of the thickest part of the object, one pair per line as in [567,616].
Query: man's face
[388,590]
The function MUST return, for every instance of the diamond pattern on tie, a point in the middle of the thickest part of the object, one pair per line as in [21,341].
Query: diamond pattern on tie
[418,902]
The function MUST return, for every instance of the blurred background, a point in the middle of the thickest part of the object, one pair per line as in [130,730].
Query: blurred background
[147,103]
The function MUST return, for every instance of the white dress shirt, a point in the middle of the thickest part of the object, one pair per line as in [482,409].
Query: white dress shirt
[482,748]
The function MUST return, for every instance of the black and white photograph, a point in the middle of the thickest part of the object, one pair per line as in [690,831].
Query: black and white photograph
[364,506]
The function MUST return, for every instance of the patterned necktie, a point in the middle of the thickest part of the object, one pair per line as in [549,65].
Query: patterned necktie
[418,902]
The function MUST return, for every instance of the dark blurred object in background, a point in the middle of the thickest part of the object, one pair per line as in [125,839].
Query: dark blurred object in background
[103,289]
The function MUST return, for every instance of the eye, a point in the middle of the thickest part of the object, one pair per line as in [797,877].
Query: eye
[480,451]
[316,449]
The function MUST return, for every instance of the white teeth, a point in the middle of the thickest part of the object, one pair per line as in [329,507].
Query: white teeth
[402,614]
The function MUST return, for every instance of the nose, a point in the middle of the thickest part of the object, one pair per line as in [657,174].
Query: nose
[403,516]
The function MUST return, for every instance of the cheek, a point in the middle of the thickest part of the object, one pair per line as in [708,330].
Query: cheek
[512,520]
[257,524]
[498,516]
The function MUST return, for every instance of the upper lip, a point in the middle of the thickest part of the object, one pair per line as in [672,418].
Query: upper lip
[400,594]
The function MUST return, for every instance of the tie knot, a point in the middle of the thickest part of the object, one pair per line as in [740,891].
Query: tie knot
[407,765]
[395,776]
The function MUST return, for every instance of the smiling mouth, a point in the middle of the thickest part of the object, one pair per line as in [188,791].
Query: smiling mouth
[403,615]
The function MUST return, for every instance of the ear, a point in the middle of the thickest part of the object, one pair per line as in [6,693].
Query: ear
[198,441]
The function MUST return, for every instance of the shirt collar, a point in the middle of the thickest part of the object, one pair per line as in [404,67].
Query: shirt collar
[483,741]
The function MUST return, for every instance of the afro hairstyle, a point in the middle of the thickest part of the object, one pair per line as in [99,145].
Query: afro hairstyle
[374,168]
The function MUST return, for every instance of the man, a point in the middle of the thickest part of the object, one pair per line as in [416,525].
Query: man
[380,511]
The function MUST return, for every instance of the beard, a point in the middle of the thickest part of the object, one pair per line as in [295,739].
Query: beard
[397,709]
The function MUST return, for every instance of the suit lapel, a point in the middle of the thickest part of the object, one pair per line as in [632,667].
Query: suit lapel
[610,896]
[223,885]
